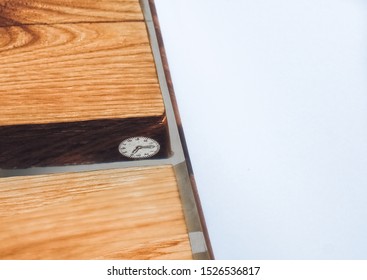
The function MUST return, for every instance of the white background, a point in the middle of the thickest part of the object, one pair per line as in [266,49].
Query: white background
[273,97]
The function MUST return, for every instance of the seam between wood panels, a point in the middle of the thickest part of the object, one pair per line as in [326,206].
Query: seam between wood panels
[18,24]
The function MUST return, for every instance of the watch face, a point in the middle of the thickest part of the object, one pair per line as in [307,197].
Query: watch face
[139,147]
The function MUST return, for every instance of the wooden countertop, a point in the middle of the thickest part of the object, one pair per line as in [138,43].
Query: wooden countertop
[132,213]
[64,61]
[77,78]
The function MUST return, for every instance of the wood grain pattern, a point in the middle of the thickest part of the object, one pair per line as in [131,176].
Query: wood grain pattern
[15,12]
[130,213]
[74,72]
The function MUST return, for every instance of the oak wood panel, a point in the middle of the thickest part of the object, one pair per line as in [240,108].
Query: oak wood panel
[130,213]
[16,12]
[73,72]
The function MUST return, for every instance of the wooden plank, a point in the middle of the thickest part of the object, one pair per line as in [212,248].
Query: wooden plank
[130,213]
[73,72]
[16,12]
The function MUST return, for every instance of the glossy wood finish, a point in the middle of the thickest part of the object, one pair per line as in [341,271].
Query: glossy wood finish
[130,213]
[71,91]
[15,12]
[77,78]
[74,72]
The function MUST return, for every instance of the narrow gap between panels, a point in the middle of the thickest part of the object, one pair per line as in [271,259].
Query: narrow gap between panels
[62,23]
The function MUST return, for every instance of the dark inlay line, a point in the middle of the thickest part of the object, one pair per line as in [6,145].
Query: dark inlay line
[85,142]
[15,23]
[12,14]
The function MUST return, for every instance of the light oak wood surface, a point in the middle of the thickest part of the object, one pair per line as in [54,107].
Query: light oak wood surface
[132,213]
[77,77]
[63,11]
[73,72]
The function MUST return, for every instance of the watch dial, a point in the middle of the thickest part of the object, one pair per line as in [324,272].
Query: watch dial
[139,147]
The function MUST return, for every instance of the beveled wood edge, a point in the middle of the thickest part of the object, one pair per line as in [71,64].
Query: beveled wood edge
[163,56]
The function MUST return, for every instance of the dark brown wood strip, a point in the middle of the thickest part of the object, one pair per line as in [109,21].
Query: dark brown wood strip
[57,144]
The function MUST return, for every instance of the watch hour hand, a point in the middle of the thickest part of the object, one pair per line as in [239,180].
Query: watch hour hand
[136,150]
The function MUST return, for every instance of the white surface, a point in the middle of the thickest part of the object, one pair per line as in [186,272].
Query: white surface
[273,97]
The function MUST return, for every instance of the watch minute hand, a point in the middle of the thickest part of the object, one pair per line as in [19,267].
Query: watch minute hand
[147,147]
